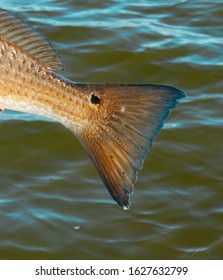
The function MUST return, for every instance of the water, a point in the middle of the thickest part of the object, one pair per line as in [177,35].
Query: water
[53,204]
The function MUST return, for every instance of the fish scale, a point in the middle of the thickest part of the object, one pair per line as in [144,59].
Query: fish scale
[115,123]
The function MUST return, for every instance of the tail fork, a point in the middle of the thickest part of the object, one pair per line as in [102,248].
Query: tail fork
[119,142]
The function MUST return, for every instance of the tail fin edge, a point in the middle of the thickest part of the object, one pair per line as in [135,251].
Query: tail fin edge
[119,142]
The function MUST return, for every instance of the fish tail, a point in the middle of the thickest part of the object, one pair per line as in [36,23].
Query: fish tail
[128,119]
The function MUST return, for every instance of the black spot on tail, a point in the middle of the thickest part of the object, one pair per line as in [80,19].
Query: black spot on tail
[95,99]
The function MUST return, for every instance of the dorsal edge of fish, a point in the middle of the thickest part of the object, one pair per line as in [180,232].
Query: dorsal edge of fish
[16,32]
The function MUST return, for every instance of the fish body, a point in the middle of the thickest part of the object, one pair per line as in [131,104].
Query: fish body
[115,123]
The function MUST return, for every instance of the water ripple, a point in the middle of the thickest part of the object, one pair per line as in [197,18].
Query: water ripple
[53,204]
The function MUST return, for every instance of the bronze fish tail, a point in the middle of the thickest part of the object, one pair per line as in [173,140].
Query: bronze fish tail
[115,123]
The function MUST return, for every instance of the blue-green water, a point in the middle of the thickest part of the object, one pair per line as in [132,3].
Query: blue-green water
[53,204]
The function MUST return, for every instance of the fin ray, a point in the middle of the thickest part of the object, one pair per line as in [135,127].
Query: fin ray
[120,140]
[16,32]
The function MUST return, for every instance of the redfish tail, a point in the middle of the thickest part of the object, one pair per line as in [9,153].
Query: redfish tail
[129,118]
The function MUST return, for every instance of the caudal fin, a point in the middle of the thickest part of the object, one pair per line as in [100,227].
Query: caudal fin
[118,139]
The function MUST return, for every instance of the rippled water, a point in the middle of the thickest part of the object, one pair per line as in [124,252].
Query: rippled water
[53,204]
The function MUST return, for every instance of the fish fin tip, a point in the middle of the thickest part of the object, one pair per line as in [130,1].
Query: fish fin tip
[119,139]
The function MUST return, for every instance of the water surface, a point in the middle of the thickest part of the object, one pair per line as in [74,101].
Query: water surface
[53,204]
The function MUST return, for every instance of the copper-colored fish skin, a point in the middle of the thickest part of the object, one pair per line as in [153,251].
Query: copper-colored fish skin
[27,86]
[116,123]
[122,130]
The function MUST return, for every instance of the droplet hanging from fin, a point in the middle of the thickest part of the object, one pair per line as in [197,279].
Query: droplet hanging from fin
[119,141]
